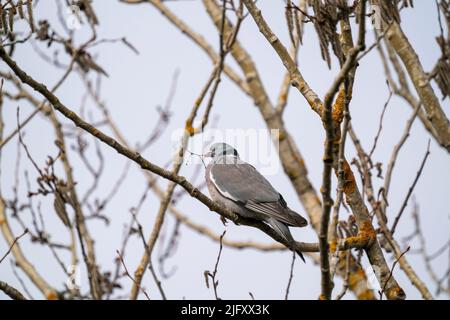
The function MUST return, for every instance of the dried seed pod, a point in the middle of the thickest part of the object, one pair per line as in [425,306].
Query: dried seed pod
[326,17]
[290,21]
[42,33]
[11,13]
[408,3]
[388,10]
[298,26]
[20,9]
[1,21]
[4,21]
[30,15]
[59,205]
[86,7]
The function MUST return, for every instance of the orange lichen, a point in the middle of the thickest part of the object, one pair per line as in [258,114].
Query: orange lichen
[139,271]
[366,295]
[395,293]
[2,221]
[365,237]
[52,295]
[198,101]
[333,246]
[338,108]
[283,96]
[366,231]
[189,128]
[352,242]
[349,179]
[356,280]
[281,136]
[292,174]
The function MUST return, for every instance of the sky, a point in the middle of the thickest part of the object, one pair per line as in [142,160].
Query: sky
[138,84]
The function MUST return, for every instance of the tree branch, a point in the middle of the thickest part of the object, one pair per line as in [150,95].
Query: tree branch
[11,292]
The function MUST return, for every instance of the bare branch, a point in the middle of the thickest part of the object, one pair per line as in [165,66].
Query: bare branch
[10,291]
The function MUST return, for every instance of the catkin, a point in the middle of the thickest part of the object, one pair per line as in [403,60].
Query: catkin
[4,22]
[11,13]
[298,27]
[289,20]
[1,21]
[20,9]
[30,14]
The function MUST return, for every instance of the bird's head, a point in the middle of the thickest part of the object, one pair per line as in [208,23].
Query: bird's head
[221,149]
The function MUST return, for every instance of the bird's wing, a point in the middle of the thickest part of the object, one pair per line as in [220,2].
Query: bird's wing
[243,184]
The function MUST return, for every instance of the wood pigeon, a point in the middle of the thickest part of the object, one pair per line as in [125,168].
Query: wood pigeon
[239,187]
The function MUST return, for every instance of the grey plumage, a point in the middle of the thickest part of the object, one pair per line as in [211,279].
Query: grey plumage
[239,187]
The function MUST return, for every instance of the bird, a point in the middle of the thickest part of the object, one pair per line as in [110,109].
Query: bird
[239,187]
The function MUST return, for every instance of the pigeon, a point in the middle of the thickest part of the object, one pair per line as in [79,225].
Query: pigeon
[239,187]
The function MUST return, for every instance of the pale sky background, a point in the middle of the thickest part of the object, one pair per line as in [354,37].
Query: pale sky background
[139,83]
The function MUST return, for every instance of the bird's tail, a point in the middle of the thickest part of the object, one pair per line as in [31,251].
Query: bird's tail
[300,255]
[283,231]
[298,220]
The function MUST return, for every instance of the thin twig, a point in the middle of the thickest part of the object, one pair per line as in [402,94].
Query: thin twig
[291,275]
[395,153]
[129,275]
[392,270]
[12,245]
[347,276]
[14,266]
[21,125]
[213,275]
[411,189]
[380,125]
[157,281]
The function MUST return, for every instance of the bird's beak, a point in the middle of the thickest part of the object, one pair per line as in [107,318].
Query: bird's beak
[208,155]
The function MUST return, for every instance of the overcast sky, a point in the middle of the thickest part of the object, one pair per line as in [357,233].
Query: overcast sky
[137,84]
